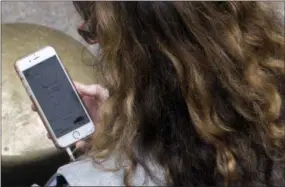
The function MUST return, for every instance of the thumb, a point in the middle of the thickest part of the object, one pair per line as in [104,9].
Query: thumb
[94,90]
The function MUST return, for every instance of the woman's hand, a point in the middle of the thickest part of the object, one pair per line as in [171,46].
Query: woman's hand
[92,96]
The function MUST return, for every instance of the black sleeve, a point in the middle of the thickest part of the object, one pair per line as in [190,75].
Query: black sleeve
[58,181]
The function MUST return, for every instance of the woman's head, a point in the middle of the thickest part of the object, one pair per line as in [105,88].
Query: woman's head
[194,86]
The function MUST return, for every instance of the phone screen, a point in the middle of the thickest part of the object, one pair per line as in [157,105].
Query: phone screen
[56,96]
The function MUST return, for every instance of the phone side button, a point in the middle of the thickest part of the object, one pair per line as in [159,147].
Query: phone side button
[27,88]
[29,91]
[32,99]
[76,135]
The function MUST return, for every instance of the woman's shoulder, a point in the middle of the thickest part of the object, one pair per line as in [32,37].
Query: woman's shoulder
[86,173]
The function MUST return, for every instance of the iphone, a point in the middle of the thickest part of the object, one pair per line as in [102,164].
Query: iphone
[53,93]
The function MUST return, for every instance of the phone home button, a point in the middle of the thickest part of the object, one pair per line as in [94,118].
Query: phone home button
[76,135]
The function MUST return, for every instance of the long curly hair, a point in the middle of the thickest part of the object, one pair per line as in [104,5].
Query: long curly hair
[195,87]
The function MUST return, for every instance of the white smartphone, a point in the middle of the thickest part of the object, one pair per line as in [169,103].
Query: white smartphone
[51,90]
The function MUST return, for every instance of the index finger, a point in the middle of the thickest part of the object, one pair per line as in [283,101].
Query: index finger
[94,90]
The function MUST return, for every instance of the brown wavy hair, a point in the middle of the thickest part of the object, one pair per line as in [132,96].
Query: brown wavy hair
[195,87]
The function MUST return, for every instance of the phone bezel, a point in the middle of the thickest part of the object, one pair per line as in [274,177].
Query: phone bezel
[39,57]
